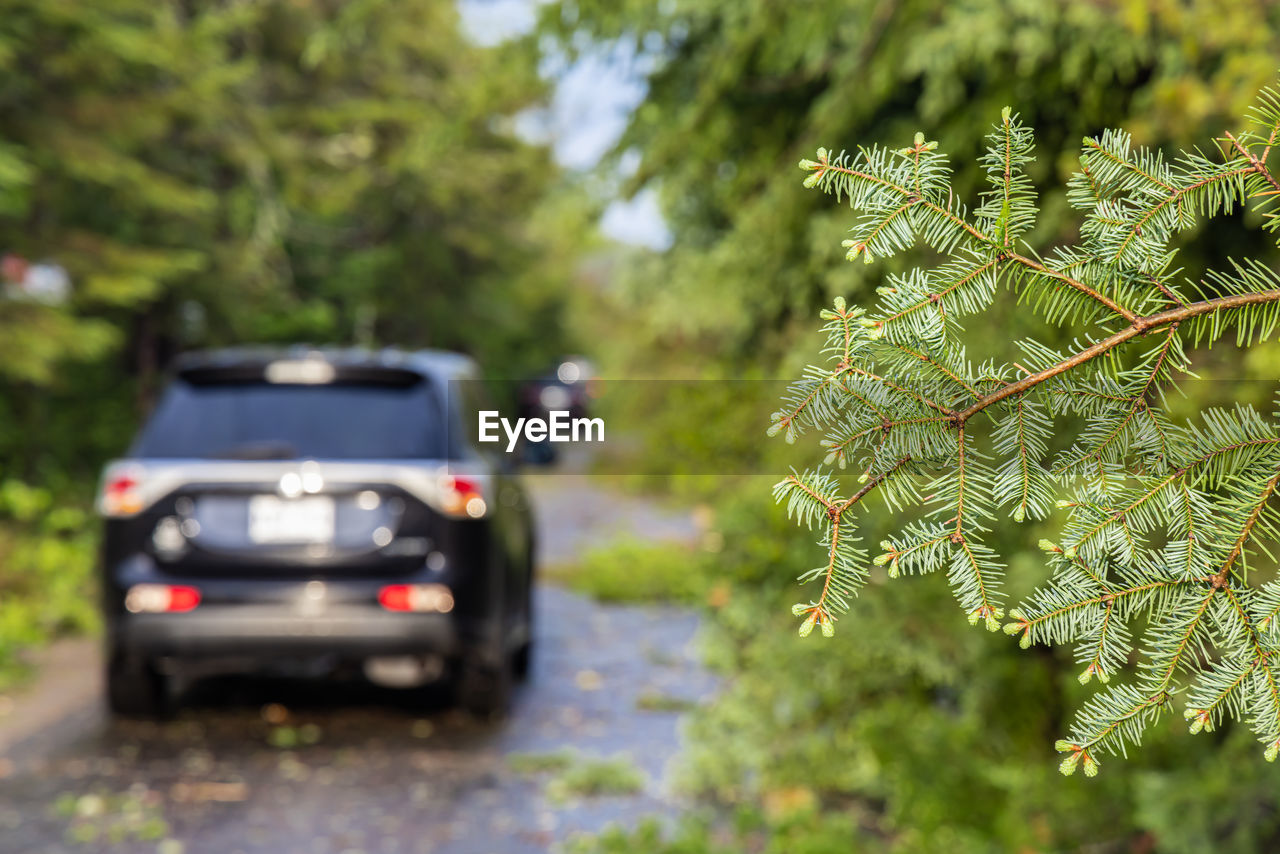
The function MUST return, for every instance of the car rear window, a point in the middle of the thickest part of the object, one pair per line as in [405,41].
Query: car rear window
[261,420]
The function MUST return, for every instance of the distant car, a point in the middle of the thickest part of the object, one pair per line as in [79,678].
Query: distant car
[566,389]
[318,506]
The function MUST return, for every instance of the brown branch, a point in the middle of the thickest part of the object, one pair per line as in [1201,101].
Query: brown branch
[1157,699]
[846,317]
[943,369]
[1164,289]
[1139,326]
[1111,304]
[933,298]
[885,425]
[889,384]
[815,496]
[1151,493]
[836,513]
[866,401]
[1266,147]
[1263,656]
[1095,663]
[1139,400]
[831,567]
[871,484]
[958,536]
[907,193]
[796,410]
[1108,598]
[1258,165]
[1094,144]
[1185,640]
[1220,579]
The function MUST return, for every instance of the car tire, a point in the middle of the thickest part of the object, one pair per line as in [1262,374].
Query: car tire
[135,688]
[484,690]
[522,661]
[522,658]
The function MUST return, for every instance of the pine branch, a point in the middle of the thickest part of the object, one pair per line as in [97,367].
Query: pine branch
[1257,164]
[1220,579]
[1266,711]
[898,388]
[1042,270]
[1137,327]
[823,168]
[1163,516]
[841,576]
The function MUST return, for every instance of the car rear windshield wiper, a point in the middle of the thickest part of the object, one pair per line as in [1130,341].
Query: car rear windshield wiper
[266,449]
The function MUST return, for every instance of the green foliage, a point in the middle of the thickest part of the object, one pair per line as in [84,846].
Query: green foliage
[919,736]
[735,90]
[269,172]
[690,425]
[1164,519]
[648,837]
[46,573]
[930,736]
[255,160]
[636,571]
[750,833]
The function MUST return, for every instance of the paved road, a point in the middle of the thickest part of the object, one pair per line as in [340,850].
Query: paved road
[324,768]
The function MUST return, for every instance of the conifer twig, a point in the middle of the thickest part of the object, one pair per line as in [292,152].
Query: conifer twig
[1133,330]
[1159,513]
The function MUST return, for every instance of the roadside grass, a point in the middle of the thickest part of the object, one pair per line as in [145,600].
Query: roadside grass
[635,571]
[657,701]
[575,776]
[588,778]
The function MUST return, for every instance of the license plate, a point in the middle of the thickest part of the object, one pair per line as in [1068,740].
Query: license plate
[298,520]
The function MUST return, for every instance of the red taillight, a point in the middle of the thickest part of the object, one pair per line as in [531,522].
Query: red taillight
[121,494]
[461,496]
[395,597]
[161,598]
[416,597]
[183,598]
[464,484]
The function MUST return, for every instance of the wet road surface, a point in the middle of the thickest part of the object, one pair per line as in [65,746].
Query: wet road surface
[324,767]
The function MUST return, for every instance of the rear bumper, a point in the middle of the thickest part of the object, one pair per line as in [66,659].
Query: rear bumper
[265,631]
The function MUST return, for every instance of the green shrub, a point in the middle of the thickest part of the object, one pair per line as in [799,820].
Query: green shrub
[47,588]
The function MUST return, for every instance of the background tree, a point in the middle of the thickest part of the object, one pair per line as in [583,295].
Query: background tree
[215,173]
[736,89]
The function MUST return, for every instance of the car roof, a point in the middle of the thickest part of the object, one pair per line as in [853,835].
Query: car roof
[441,365]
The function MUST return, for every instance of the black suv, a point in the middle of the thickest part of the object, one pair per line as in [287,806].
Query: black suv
[316,506]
